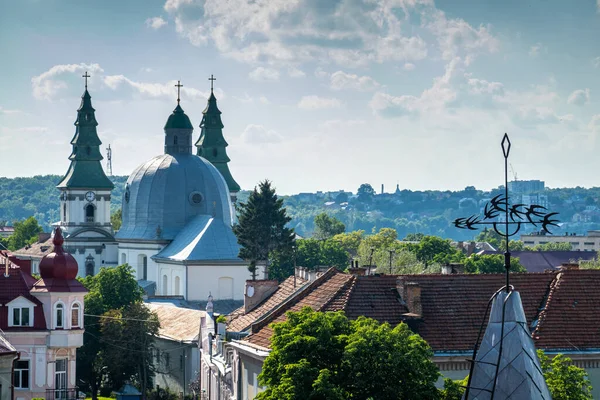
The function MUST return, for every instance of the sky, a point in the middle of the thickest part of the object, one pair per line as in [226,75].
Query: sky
[315,95]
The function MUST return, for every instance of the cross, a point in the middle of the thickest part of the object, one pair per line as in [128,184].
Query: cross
[178,86]
[86,75]
[211,79]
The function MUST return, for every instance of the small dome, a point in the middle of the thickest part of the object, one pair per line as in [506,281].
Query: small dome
[178,120]
[167,192]
[58,264]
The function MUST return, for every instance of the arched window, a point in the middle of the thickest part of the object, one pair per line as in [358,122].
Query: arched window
[89,213]
[177,286]
[123,258]
[59,316]
[142,267]
[165,286]
[75,317]
[64,211]
[175,139]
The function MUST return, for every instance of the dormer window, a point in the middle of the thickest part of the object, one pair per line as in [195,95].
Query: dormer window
[59,316]
[75,316]
[21,316]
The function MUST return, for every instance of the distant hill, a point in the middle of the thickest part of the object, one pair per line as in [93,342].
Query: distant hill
[429,212]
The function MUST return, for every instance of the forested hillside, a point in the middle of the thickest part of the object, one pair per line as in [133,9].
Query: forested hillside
[428,212]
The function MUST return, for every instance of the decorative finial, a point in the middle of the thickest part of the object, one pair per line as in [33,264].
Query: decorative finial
[178,86]
[86,76]
[212,79]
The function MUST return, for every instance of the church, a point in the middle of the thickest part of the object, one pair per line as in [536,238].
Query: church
[177,209]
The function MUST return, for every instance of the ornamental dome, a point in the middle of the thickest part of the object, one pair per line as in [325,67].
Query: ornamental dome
[58,264]
[167,192]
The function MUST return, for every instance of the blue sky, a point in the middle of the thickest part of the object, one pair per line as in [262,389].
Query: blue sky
[315,95]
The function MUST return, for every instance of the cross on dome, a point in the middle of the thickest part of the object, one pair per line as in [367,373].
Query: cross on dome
[178,86]
[212,79]
[86,76]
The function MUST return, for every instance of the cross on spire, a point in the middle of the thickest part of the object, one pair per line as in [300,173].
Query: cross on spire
[178,86]
[212,79]
[86,76]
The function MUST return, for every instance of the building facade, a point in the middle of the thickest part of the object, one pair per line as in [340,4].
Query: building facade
[589,242]
[43,321]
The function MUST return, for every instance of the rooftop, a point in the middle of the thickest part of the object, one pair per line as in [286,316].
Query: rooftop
[176,323]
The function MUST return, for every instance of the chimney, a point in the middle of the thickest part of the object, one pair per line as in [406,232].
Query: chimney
[410,293]
[358,271]
[569,266]
[453,268]
[257,291]
[42,237]
[382,188]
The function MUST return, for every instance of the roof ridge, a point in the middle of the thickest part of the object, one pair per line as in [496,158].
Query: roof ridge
[554,286]
[290,301]
[340,291]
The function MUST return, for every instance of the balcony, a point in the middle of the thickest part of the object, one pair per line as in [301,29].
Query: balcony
[61,394]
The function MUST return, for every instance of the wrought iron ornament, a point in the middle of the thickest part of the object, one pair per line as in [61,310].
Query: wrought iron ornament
[515,215]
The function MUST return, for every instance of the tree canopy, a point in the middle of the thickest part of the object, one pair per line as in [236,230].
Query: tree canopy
[565,380]
[325,356]
[365,192]
[491,264]
[26,232]
[261,227]
[327,227]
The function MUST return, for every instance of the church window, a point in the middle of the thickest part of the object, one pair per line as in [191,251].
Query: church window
[215,152]
[89,213]
[142,267]
[64,211]
[59,316]
[175,139]
[89,269]
[123,258]
[177,286]
[195,198]
[75,316]
[165,285]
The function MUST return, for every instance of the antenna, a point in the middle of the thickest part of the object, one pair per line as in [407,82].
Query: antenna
[514,174]
[109,160]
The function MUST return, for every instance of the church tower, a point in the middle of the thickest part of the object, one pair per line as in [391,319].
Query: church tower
[212,145]
[85,192]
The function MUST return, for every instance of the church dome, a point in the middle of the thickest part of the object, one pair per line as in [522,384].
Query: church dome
[58,264]
[167,192]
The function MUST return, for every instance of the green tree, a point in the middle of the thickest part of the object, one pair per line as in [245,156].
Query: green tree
[26,232]
[453,390]
[565,381]
[261,227]
[434,249]
[116,219]
[553,246]
[365,192]
[309,253]
[490,236]
[414,237]
[325,356]
[327,227]
[112,292]
[350,241]
[491,264]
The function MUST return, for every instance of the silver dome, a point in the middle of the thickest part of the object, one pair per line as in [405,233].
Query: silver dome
[167,192]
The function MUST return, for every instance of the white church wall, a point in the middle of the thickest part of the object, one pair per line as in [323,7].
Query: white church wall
[132,254]
[76,207]
[171,281]
[213,279]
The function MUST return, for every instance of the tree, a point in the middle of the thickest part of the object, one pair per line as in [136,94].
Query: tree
[342,197]
[116,219]
[114,293]
[318,355]
[261,227]
[435,249]
[414,237]
[491,264]
[565,381]
[26,232]
[350,241]
[327,227]
[365,192]
[490,236]
[553,246]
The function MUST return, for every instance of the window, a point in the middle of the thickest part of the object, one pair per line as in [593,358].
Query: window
[59,316]
[89,213]
[64,211]
[21,376]
[165,285]
[75,316]
[177,285]
[21,316]
[89,269]
[167,360]
[123,258]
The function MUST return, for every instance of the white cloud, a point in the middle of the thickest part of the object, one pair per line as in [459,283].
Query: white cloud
[248,99]
[321,73]
[341,80]
[342,124]
[152,89]
[579,97]
[155,23]
[296,73]
[262,74]
[316,102]
[33,129]
[481,86]
[349,33]
[258,134]
[49,83]
[596,62]
[594,124]
[7,111]
[409,66]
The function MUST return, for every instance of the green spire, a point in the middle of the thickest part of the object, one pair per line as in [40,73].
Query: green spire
[86,170]
[212,145]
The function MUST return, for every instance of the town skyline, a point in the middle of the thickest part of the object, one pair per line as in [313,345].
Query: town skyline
[410,92]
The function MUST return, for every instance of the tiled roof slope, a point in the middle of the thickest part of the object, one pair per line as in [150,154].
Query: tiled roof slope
[37,249]
[238,321]
[5,346]
[454,305]
[18,283]
[570,319]
[177,323]
[375,297]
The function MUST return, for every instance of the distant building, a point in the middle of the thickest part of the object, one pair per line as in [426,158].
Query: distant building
[523,187]
[6,231]
[589,242]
